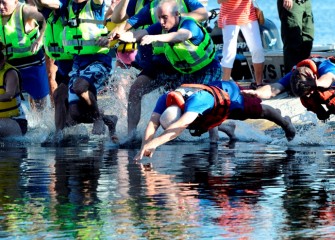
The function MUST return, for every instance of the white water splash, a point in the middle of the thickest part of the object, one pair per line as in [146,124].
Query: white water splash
[310,131]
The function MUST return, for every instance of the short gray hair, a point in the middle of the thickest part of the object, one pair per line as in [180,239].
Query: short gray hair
[174,3]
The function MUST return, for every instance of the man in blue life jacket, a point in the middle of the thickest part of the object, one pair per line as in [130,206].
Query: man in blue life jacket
[200,107]
[320,71]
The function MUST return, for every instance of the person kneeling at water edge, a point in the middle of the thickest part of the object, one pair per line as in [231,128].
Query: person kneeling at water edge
[203,107]
[12,118]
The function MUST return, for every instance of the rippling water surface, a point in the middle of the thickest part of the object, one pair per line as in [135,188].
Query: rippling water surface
[230,191]
[260,187]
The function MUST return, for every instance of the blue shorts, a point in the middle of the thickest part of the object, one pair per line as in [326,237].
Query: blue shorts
[35,81]
[96,74]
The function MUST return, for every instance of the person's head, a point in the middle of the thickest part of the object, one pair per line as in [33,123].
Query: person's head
[168,14]
[169,116]
[7,7]
[303,81]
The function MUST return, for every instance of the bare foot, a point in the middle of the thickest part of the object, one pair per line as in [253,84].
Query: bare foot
[289,129]
[98,127]
[229,129]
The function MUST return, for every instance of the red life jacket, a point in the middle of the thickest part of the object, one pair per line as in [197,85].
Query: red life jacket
[326,97]
[215,117]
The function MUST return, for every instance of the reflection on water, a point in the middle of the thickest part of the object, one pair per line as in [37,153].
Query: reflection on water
[230,191]
[88,188]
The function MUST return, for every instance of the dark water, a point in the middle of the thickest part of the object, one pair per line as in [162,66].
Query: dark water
[93,190]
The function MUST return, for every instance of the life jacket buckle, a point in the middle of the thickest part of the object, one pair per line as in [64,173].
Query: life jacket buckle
[72,23]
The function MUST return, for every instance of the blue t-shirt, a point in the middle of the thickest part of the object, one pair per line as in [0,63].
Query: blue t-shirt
[143,17]
[202,101]
[326,66]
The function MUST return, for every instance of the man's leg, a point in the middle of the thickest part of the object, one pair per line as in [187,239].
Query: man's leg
[229,129]
[81,88]
[141,86]
[60,99]
[275,116]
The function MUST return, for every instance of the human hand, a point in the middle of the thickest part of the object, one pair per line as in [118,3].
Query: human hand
[35,46]
[103,41]
[249,93]
[288,4]
[127,37]
[146,151]
[115,30]
[148,39]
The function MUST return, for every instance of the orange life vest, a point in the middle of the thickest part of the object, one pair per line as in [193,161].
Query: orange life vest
[327,97]
[215,117]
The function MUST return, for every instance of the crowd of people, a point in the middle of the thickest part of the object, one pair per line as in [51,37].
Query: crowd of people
[64,49]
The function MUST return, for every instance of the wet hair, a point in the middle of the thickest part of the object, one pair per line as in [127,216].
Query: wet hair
[302,81]
[169,116]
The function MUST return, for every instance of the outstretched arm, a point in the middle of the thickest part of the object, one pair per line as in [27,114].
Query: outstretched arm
[150,143]
[326,80]
[52,4]
[265,92]
[133,36]
[173,37]
[199,14]
[120,12]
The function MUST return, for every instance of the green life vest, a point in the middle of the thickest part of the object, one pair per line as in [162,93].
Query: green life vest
[187,57]
[82,31]
[53,42]
[12,34]
[9,108]
[139,6]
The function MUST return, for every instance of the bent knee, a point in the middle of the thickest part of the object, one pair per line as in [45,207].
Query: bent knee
[80,86]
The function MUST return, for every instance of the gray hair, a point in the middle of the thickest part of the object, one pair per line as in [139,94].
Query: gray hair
[175,6]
